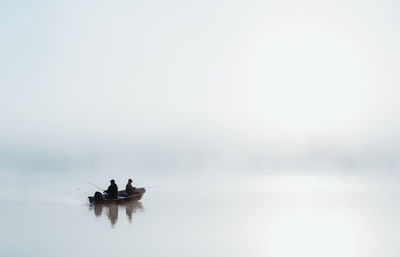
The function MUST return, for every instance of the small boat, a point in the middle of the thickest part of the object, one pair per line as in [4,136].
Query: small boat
[123,196]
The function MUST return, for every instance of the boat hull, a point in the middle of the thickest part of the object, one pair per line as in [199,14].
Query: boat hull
[123,197]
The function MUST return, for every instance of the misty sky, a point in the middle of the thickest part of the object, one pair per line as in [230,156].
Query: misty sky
[216,84]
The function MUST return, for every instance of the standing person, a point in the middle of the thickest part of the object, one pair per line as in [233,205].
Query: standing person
[129,188]
[112,190]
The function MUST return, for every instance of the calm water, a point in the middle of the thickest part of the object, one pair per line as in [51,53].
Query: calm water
[258,216]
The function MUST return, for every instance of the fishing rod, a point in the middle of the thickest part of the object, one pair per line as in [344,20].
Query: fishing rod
[105,190]
[148,186]
[93,184]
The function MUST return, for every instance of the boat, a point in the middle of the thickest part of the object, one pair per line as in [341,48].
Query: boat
[123,197]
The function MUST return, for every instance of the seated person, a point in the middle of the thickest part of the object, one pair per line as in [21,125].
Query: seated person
[112,190]
[129,188]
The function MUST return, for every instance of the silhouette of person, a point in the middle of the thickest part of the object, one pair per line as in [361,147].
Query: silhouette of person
[112,190]
[129,188]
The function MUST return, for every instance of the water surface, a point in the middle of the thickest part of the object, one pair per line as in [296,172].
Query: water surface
[258,216]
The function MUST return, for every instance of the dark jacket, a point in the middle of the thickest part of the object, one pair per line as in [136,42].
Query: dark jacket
[129,189]
[112,191]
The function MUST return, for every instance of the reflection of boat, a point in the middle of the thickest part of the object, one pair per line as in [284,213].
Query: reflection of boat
[123,196]
[111,209]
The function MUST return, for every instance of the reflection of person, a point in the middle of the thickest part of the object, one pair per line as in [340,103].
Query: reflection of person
[130,207]
[112,190]
[112,213]
[129,188]
[111,210]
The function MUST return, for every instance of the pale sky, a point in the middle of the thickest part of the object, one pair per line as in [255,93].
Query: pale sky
[271,81]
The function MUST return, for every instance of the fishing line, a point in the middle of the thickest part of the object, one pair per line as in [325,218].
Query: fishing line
[82,191]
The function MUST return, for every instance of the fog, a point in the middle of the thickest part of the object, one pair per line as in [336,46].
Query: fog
[218,86]
[258,128]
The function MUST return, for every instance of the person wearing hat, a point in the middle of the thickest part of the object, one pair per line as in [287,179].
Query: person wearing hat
[129,188]
[112,190]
